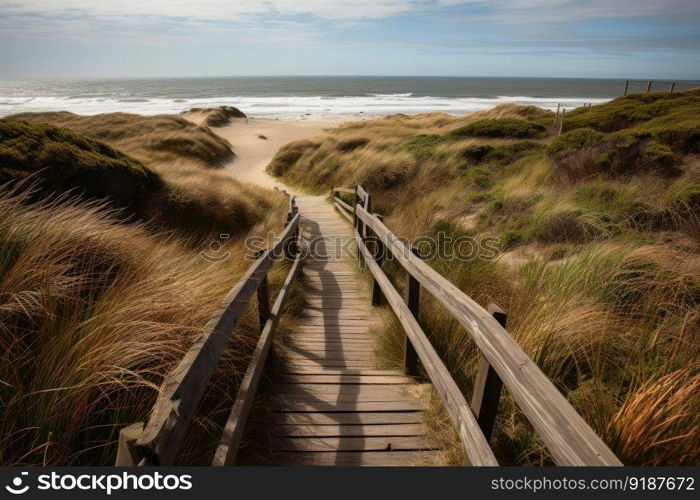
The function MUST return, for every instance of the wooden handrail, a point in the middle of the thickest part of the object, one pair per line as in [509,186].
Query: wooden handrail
[568,437]
[184,386]
[361,193]
[475,445]
[343,204]
[233,431]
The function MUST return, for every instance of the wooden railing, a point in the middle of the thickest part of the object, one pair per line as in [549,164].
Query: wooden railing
[158,441]
[502,362]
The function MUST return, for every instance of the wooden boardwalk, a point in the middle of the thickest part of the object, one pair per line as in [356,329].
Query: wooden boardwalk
[331,406]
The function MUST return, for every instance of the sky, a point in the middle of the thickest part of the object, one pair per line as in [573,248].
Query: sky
[44,39]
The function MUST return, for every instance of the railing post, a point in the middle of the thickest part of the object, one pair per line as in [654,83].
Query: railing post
[354,208]
[263,302]
[413,303]
[488,385]
[291,246]
[379,249]
[368,208]
[627,86]
[263,293]
[127,453]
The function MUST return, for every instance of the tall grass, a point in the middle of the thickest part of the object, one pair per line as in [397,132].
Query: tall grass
[93,314]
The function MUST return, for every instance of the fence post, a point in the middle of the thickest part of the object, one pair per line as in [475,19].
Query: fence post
[648,86]
[627,86]
[379,249]
[368,207]
[488,385]
[263,298]
[127,454]
[673,86]
[413,303]
[354,208]
[561,121]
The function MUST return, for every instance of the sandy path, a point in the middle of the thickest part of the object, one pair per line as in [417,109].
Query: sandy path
[254,153]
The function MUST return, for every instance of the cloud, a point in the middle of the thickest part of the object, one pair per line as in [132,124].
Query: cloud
[228,10]
[507,11]
[299,21]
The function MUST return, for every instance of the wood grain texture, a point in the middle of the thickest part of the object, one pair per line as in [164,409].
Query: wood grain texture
[183,388]
[568,437]
[328,397]
[475,445]
[235,424]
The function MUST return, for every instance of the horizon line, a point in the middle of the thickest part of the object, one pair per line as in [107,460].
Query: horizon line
[656,79]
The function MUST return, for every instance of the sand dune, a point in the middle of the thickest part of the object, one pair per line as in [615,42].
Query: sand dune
[255,142]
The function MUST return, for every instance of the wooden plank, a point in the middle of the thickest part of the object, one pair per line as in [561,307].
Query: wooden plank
[330,365]
[184,387]
[360,459]
[233,430]
[348,418]
[348,430]
[341,397]
[352,444]
[361,193]
[350,406]
[344,379]
[365,373]
[391,390]
[289,366]
[476,446]
[317,351]
[334,314]
[567,436]
[348,356]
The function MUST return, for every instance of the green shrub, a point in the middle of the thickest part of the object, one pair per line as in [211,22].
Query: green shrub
[585,152]
[423,145]
[625,112]
[576,140]
[506,128]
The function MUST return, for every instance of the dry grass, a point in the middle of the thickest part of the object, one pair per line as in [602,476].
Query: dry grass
[94,313]
[605,293]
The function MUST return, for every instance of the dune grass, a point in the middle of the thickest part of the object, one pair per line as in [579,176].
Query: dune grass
[94,313]
[598,269]
[180,196]
[161,138]
[104,284]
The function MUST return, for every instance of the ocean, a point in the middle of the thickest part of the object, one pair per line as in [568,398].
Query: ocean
[308,97]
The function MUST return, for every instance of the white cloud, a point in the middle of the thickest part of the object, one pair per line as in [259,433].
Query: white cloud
[510,11]
[219,9]
[274,21]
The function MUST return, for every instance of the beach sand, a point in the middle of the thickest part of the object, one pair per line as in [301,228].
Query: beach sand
[253,153]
